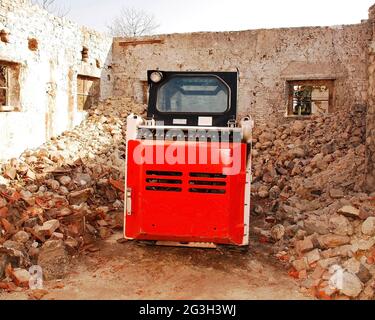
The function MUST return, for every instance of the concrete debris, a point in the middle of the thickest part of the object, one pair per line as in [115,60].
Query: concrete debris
[59,199]
[350,211]
[21,236]
[278,232]
[351,285]
[53,259]
[368,227]
[21,277]
[79,197]
[48,228]
[317,168]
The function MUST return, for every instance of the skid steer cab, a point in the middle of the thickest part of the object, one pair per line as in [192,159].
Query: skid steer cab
[188,167]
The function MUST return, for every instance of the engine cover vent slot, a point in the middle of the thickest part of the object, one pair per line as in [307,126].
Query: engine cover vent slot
[164,173]
[164,189]
[166,181]
[208,183]
[207,175]
[207,191]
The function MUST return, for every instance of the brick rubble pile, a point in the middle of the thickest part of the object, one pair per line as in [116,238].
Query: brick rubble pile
[307,192]
[56,201]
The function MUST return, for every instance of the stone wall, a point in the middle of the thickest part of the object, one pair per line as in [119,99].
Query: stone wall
[47,54]
[266,59]
[370,127]
[47,51]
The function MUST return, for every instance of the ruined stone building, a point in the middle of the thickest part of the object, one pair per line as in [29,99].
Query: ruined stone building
[52,71]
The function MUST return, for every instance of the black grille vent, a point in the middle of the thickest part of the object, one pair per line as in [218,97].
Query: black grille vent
[164,173]
[208,183]
[163,181]
[213,191]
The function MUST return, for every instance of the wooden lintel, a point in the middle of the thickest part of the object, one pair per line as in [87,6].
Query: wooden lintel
[140,42]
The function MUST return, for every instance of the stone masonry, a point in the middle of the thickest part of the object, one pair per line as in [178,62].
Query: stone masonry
[266,60]
[48,55]
[370,129]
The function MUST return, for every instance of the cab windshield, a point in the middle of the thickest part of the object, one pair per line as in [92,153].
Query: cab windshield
[193,94]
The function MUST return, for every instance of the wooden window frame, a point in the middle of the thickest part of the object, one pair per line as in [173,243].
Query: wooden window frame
[329,83]
[6,88]
[12,87]
[87,96]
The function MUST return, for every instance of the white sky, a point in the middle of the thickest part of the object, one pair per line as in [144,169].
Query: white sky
[224,15]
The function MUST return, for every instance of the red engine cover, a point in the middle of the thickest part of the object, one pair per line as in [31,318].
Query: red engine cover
[186,202]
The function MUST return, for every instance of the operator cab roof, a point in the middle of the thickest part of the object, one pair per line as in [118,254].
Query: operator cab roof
[192,98]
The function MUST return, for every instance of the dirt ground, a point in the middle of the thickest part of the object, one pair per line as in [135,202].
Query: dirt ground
[140,272]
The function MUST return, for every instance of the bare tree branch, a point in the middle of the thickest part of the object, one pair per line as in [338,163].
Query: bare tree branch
[133,22]
[60,10]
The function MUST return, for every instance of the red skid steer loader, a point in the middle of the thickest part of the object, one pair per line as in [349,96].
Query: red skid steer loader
[188,166]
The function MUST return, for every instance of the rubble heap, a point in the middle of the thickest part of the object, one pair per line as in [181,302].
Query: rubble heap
[57,200]
[308,178]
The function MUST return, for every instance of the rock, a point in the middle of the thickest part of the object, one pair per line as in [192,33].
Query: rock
[266,137]
[31,223]
[342,251]
[352,265]
[64,212]
[297,127]
[30,175]
[10,173]
[349,211]
[300,264]
[263,192]
[274,192]
[368,293]
[53,184]
[362,245]
[37,294]
[326,263]
[118,204]
[82,179]
[53,259]
[368,227]
[332,241]
[258,210]
[278,232]
[336,193]
[304,245]
[21,236]
[4,261]
[57,236]
[329,148]
[48,228]
[291,210]
[33,254]
[9,244]
[65,180]
[313,225]
[296,153]
[313,256]
[27,196]
[71,243]
[3,202]
[21,277]
[79,197]
[340,225]
[364,274]
[351,285]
